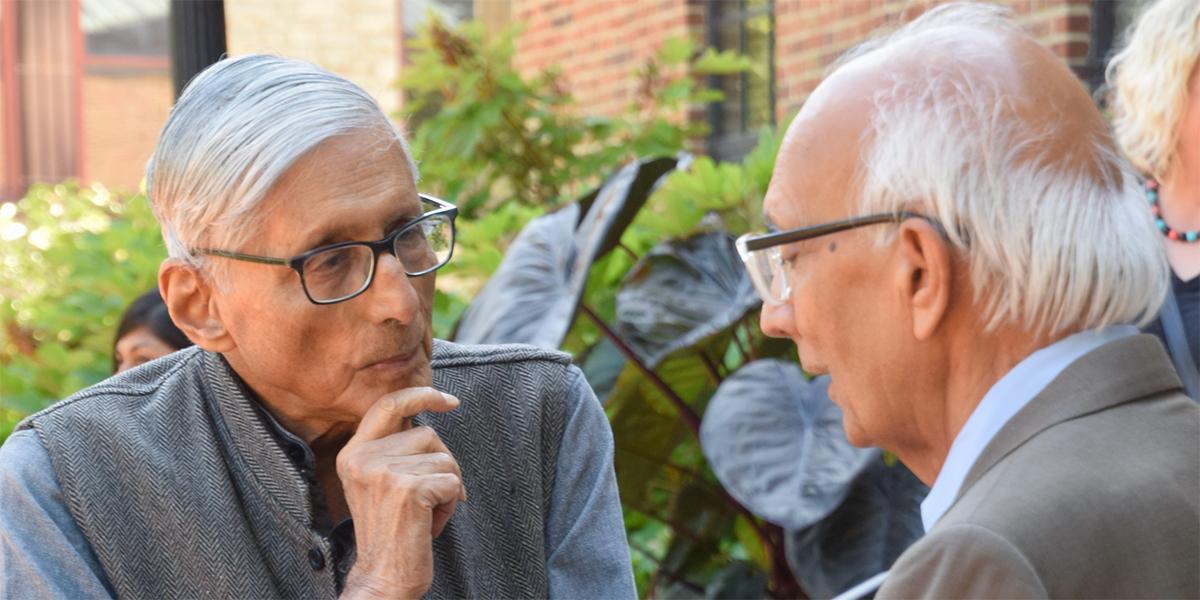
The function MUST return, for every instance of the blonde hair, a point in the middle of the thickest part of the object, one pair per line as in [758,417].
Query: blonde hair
[1149,81]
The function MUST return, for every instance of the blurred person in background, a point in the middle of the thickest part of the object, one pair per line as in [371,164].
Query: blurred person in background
[1155,101]
[959,245]
[145,333]
[317,441]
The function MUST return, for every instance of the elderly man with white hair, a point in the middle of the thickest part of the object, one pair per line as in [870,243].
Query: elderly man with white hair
[317,441]
[959,246]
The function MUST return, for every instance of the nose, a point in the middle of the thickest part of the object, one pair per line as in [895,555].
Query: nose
[392,294]
[776,320]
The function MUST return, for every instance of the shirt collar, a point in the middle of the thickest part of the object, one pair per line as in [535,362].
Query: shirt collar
[297,451]
[1006,398]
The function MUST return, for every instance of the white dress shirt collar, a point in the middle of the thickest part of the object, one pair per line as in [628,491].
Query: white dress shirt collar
[1006,398]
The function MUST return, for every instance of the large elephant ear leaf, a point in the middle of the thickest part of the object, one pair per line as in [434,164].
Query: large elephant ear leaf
[775,441]
[681,293]
[608,211]
[530,298]
[877,521]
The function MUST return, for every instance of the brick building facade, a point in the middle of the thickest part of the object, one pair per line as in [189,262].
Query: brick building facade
[87,95]
[598,44]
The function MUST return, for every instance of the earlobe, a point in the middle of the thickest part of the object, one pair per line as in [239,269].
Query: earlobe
[189,299]
[926,276]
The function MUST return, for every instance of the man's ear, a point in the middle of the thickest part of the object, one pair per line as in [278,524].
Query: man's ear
[926,275]
[189,298]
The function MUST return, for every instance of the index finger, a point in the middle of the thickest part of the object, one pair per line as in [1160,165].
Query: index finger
[394,412]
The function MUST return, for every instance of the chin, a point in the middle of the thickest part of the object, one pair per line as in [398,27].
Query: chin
[854,432]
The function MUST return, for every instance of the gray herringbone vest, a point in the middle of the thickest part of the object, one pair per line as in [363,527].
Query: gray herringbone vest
[182,492]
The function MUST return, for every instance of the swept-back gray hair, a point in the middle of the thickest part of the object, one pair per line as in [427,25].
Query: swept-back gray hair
[1054,242]
[237,128]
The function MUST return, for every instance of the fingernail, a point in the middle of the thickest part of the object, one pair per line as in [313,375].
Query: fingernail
[450,399]
[464,493]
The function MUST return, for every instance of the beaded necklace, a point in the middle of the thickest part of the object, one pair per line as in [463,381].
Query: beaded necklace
[1180,236]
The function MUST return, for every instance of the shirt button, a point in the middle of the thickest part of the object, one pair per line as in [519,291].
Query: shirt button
[316,559]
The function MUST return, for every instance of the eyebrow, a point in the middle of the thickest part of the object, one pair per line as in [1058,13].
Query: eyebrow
[340,233]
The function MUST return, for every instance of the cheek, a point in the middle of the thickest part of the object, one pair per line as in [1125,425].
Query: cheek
[289,337]
[816,312]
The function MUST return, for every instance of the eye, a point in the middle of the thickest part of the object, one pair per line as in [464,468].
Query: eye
[413,236]
[326,261]
[788,257]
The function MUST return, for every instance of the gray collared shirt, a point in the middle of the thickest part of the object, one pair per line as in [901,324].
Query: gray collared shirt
[43,554]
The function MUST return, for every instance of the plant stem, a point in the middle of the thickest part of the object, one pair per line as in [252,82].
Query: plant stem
[697,476]
[672,575]
[784,582]
[677,527]
[628,252]
[712,367]
[689,416]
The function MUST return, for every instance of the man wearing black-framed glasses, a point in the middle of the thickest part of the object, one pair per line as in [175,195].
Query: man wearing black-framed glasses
[959,246]
[317,441]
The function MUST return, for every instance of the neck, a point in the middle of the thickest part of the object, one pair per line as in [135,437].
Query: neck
[966,380]
[1179,198]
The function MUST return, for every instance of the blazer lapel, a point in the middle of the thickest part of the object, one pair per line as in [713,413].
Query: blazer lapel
[1121,371]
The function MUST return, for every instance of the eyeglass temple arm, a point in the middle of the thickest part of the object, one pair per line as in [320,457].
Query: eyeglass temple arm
[774,239]
[266,260]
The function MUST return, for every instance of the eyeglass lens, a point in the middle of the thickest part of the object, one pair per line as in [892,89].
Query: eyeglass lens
[341,272]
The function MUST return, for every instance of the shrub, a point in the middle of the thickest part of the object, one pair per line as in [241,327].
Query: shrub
[72,259]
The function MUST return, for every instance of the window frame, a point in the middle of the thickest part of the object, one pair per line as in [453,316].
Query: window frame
[733,145]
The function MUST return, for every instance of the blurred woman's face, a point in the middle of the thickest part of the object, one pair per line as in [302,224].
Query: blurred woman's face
[139,346]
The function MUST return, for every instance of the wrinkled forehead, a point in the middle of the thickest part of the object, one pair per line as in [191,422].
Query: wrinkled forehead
[348,188]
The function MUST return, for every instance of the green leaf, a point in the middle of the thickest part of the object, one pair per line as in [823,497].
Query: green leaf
[63,287]
[676,50]
[725,62]
[751,543]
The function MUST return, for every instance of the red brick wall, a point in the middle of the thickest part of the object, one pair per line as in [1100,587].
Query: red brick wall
[599,44]
[122,116]
[810,34]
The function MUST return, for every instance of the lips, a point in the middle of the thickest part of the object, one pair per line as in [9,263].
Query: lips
[405,359]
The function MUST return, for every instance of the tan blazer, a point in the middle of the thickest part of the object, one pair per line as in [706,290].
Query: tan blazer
[1090,491]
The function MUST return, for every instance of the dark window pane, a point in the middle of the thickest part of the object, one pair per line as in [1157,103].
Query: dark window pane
[748,27]
[125,27]
[451,12]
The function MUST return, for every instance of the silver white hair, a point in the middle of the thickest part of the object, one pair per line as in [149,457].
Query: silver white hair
[237,128]
[1053,242]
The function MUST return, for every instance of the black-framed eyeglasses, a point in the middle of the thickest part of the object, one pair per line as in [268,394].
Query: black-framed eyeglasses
[339,272]
[760,252]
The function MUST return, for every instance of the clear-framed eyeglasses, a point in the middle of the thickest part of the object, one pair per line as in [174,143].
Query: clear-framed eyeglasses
[764,260]
[339,272]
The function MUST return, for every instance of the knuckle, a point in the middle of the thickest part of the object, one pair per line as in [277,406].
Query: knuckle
[427,434]
[441,460]
[389,403]
[346,465]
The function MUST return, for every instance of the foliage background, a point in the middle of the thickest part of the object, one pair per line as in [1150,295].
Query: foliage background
[71,259]
[507,148]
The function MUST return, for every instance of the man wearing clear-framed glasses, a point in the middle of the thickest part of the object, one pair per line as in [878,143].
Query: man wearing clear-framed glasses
[958,244]
[317,441]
